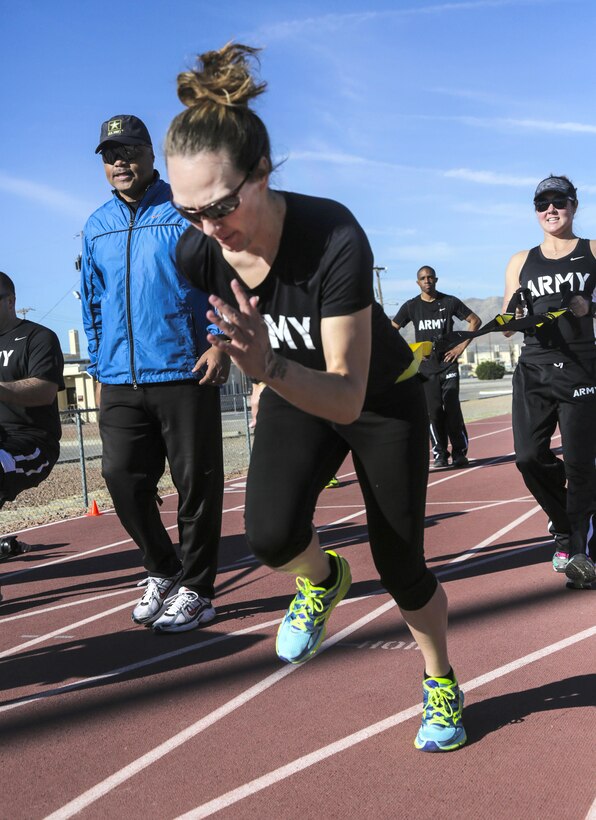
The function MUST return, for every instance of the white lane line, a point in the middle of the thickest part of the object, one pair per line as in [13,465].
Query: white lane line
[66,558]
[132,667]
[123,670]
[31,613]
[522,498]
[64,629]
[84,682]
[76,555]
[117,609]
[127,591]
[503,531]
[301,763]
[591,815]
[86,515]
[492,433]
[105,786]
[100,615]
[110,783]
[483,505]
[151,757]
[468,470]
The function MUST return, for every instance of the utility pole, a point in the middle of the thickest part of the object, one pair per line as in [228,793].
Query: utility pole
[378,270]
[24,311]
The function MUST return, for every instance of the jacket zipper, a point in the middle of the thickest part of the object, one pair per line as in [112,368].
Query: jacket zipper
[131,344]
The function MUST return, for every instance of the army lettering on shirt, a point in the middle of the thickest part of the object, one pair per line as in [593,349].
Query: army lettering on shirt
[431,321]
[323,268]
[30,351]
[568,338]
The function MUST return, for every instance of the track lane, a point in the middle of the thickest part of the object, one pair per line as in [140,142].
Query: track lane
[246,587]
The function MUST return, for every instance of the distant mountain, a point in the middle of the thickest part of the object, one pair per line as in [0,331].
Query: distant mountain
[487,309]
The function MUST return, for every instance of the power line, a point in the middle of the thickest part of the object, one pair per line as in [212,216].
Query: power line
[61,299]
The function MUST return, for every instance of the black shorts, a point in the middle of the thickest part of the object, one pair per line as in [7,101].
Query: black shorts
[23,465]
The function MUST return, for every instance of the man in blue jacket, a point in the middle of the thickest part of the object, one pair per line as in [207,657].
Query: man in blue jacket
[158,380]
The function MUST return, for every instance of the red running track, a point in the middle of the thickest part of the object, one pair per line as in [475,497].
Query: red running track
[104,719]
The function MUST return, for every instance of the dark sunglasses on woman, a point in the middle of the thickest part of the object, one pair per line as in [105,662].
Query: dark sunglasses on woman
[559,203]
[215,210]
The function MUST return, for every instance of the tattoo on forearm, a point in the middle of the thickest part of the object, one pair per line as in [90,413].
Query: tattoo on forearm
[275,366]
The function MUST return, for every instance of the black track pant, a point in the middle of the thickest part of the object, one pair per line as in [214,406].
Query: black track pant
[544,395]
[140,428]
[444,410]
[293,456]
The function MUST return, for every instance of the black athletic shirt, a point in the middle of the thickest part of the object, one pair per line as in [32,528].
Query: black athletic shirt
[568,338]
[31,351]
[323,268]
[432,320]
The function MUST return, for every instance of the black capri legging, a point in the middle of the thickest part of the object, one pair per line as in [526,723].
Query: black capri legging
[294,456]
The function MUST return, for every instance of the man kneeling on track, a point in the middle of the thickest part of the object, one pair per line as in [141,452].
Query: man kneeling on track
[31,368]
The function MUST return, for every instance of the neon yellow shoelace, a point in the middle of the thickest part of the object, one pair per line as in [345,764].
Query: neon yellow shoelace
[439,707]
[306,603]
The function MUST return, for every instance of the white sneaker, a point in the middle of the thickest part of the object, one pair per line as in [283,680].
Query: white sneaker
[186,610]
[154,599]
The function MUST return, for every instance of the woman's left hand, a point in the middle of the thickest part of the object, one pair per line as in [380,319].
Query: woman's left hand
[579,306]
[248,345]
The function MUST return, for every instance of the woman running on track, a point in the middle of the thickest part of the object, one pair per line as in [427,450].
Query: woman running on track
[292,282]
[555,379]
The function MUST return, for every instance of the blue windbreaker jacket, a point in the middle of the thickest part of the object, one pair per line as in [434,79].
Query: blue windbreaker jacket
[144,322]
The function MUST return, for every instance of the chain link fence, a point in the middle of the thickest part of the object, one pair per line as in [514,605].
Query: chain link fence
[76,481]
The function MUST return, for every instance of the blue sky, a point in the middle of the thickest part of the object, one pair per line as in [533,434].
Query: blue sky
[432,122]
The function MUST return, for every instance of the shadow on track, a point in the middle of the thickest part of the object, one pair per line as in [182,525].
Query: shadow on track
[486,716]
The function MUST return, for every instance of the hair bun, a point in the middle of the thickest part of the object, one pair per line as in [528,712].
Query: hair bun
[222,77]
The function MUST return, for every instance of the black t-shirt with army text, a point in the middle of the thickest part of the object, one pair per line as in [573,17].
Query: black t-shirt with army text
[569,338]
[323,268]
[431,321]
[30,351]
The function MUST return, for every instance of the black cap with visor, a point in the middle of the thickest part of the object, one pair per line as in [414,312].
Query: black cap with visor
[125,129]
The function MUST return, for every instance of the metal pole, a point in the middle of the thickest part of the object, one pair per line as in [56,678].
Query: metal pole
[79,426]
[378,269]
[247,422]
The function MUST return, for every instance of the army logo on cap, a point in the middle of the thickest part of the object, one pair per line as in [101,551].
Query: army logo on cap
[114,127]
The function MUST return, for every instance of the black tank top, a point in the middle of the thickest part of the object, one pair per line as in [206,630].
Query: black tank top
[567,338]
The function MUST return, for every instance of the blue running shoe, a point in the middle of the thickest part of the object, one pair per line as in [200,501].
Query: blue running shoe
[441,729]
[303,628]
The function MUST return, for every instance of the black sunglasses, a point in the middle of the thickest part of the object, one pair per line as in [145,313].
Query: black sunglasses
[127,153]
[217,209]
[559,202]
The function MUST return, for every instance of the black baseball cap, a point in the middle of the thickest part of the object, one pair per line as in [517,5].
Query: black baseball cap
[556,185]
[124,128]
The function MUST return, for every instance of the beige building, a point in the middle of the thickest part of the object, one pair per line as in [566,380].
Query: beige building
[506,351]
[79,392]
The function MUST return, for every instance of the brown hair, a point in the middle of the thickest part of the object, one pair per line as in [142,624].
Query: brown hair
[217,93]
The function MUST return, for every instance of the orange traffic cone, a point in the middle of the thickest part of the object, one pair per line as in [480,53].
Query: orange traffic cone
[94,509]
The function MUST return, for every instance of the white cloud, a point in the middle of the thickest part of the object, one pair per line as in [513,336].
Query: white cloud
[332,22]
[480,177]
[391,233]
[52,198]
[489,177]
[341,158]
[531,125]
